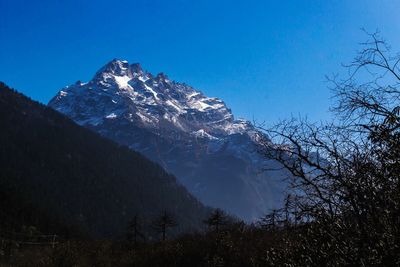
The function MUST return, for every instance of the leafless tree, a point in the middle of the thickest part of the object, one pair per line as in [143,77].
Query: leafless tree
[344,175]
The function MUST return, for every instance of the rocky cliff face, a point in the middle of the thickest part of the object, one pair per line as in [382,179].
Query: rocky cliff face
[191,135]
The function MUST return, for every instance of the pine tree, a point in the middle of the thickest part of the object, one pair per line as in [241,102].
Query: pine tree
[217,219]
[163,223]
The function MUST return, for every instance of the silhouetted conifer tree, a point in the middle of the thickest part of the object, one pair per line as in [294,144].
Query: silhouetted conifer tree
[217,219]
[163,223]
[134,231]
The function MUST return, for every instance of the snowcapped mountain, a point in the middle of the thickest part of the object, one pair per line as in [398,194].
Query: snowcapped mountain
[127,91]
[191,135]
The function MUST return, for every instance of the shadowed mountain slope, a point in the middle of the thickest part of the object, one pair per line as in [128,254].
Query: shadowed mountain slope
[86,181]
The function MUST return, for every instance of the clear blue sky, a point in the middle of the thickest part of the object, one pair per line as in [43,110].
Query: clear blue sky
[265,59]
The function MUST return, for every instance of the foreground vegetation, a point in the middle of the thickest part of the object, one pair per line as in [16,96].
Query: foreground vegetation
[234,245]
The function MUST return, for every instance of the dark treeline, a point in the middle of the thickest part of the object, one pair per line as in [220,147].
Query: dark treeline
[224,242]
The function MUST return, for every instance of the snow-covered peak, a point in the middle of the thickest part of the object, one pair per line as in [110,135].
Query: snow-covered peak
[190,134]
[130,93]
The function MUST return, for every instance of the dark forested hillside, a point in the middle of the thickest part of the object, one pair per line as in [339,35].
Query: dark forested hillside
[58,176]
